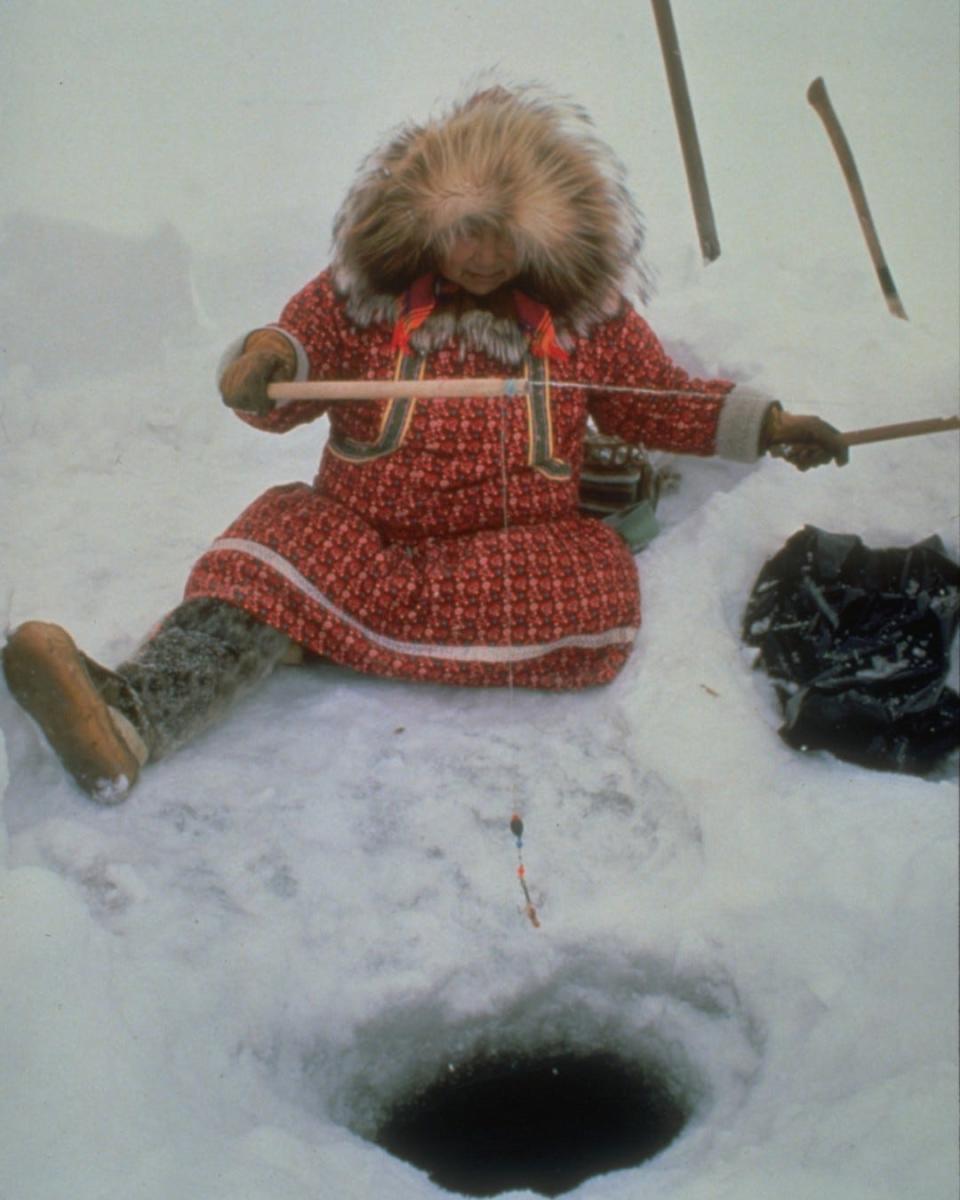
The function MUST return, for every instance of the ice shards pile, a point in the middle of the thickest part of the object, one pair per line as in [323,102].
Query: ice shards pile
[857,643]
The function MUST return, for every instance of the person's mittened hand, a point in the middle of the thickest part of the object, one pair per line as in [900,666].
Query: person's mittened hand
[803,441]
[267,357]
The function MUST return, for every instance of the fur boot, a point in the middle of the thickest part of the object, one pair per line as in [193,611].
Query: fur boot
[106,725]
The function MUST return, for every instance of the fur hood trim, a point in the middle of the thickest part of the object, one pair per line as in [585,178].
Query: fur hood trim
[519,161]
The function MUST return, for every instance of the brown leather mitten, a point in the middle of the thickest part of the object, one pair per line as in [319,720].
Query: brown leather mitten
[803,441]
[267,357]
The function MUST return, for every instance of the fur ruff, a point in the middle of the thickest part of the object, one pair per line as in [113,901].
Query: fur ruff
[517,161]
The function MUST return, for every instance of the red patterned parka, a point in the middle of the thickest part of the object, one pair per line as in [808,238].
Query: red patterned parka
[440,539]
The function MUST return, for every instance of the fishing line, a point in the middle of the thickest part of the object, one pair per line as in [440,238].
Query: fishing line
[348,390]
[516,822]
[583,386]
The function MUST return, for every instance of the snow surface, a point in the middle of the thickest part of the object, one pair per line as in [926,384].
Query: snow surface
[213,990]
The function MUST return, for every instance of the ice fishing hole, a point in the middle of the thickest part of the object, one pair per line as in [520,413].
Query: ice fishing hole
[607,1063]
[545,1122]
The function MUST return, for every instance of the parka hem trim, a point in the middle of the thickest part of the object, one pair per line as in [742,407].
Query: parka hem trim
[619,635]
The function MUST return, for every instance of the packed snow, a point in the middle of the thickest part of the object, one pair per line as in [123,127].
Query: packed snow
[218,989]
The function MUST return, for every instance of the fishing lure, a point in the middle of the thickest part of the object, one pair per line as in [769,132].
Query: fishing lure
[516,828]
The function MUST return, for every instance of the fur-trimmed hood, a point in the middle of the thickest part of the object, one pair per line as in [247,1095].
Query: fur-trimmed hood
[515,160]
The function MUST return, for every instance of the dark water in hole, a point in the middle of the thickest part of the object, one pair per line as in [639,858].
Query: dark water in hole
[544,1123]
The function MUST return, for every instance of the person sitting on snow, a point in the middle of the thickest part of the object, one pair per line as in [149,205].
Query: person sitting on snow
[441,539]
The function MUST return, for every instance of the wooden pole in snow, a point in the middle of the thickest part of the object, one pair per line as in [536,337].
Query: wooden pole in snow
[820,101]
[687,129]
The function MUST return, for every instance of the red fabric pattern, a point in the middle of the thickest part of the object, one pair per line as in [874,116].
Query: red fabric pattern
[423,564]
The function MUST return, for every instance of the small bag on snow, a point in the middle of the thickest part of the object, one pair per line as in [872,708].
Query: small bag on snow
[857,643]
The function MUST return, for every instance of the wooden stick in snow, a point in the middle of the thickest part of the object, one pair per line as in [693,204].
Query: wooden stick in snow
[817,95]
[687,129]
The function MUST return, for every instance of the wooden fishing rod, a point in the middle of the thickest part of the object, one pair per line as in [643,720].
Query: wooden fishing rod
[343,391]
[905,429]
[336,390]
